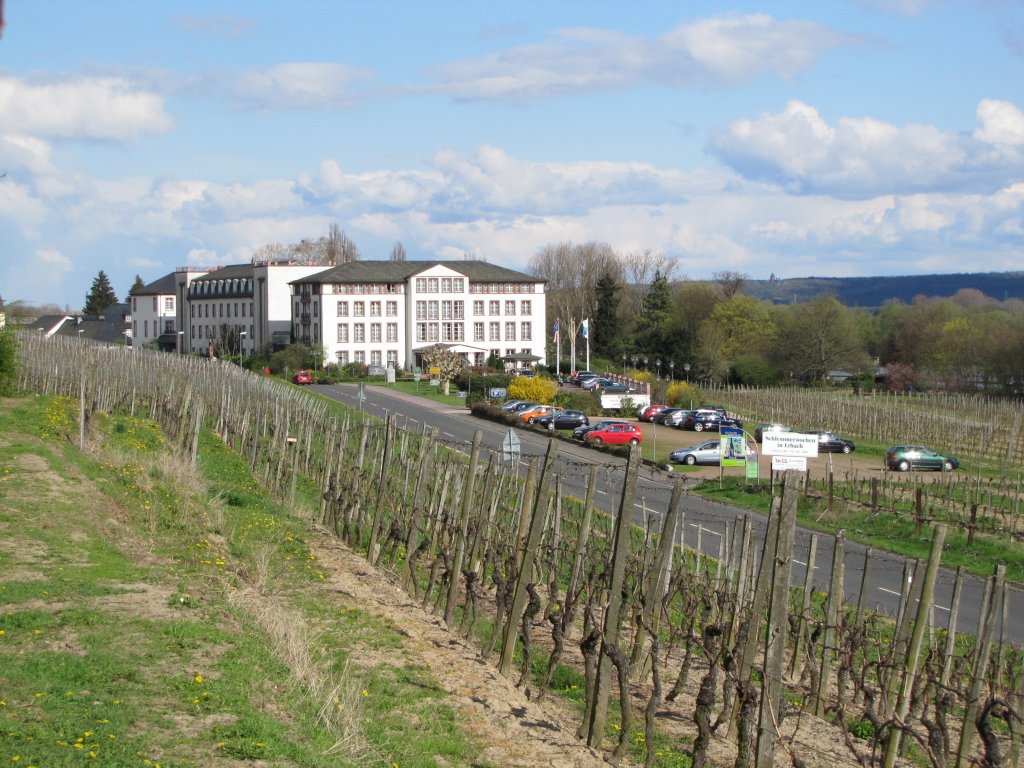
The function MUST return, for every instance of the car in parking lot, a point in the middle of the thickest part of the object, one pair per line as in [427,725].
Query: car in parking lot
[302,377]
[675,419]
[830,442]
[662,415]
[904,458]
[771,427]
[620,433]
[581,431]
[594,381]
[614,388]
[530,415]
[707,452]
[577,376]
[701,420]
[508,405]
[648,413]
[564,420]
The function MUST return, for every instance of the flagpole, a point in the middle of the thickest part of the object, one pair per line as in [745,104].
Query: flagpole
[587,337]
[572,342]
[558,349]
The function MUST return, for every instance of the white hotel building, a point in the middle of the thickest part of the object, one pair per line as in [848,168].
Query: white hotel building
[385,313]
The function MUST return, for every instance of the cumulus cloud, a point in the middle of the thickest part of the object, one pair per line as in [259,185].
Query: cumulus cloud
[798,150]
[107,108]
[54,260]
[718,51]
[295,86]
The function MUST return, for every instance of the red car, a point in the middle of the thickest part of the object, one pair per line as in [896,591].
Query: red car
[615,434]
[650,411]
[302,377]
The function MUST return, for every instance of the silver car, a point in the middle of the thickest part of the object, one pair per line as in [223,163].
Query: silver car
[707,452]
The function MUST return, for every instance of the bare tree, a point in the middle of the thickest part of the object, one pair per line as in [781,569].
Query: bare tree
[269,252]
[572,272]
[338,247]
[398,252]
[639,269]
[730,283]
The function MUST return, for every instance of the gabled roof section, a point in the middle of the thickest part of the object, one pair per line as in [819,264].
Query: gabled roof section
[400,271]
[164,286]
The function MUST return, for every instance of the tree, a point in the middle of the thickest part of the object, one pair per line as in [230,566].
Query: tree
[657,328]
[820,336]
[606,326]
[451,364]
[100,296]
[136,286]
[729,283]
[398,251]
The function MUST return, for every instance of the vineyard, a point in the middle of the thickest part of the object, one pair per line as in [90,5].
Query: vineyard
[565,600]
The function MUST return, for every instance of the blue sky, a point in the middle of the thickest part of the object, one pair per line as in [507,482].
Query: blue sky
[861,138]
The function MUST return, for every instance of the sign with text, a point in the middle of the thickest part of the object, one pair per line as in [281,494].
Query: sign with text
[732,447]
[782,463]
[435,370]
[497,392]
[789,444]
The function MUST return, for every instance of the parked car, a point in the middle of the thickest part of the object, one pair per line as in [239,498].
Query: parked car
[707,452]
[594,381]
[619,433]
[525,405]
[675,419]
[646,414]
[302,377]
[772,427]
[660,416]
[577,375]
[530,415]
[508,405]
[614,389]
[525,372]
[830,442]
[903,458]
[564,420]
[701,420]
[580,432]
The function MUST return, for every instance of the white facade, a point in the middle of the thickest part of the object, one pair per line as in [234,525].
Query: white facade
[386,313]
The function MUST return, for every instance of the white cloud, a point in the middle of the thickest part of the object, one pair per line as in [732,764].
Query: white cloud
[296,86]
[107,108]
[54,260]
[709,52]
[799,151]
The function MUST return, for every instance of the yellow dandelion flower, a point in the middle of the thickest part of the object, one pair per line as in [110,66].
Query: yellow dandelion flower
[366,692]
[199,679]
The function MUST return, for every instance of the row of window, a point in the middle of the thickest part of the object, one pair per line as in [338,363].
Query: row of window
[168,304]
[440,285]
[375,357]
[454,331]
[360,288]
[168,327]
[222,333]
[229,309]
[359,308]
[220,287]
[358,334]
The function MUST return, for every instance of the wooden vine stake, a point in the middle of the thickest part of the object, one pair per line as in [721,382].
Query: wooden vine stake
[612,616]
[892,748]
[460,543]
[779,563]
[832,610]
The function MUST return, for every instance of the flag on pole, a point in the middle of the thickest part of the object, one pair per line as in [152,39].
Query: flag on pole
[585,327]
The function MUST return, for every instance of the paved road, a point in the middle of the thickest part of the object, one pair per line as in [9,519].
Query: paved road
[707,522]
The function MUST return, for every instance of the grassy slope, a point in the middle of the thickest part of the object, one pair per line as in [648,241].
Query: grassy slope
[150,617]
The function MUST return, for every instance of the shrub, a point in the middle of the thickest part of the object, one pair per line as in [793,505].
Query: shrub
[681,394]
[8,363]
[485,410]
[535,389]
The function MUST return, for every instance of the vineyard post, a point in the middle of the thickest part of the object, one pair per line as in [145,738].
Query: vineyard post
[612,616]
[989,612]
[780,565]
[912,578]
[829,644]
[81,412]
[954,610]
[924,604]
[865,580]
[581,539]
[460,543]
[805,608]
[874,495]
[382,486]
[742,577]
[534,503]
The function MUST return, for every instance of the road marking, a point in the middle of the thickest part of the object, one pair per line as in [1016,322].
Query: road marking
[934,605]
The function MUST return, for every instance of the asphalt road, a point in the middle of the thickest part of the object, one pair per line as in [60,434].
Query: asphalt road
[707,522]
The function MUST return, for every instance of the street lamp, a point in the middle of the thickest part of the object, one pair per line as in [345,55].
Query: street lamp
[686,367]
[672,370]
[635,360]
[623,364]
[645,363]
[241,351]
[657,364]
[178,340]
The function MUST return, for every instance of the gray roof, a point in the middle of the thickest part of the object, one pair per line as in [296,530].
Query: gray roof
[107,328]
[400,271]
[163,286]
[227,273]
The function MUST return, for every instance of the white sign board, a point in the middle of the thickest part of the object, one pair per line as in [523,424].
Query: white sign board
[789,444]
[782,463]
[510,446]
[391,375]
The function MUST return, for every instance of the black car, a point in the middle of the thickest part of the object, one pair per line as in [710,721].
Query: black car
[564,420]
[830,442]
[700,421]
[660,416]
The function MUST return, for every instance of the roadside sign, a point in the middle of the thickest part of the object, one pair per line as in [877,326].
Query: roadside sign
[391,375]
[732,447]
[782,463]
[435,382]
[789,444]
[362,391]
[497,392]
[510,446]
[435,370]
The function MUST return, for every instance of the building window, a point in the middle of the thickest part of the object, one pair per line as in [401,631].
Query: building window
[168,303]
[374,309]
[432,332]
[510,331]
[375,333]
[360,357]
[478,331]
[510,307]
[316,309]
[392,358]
[375,358]
[446,331]
[358,309]
[154,303]
[478,307]
[392,309]
[421,310]
[421,331]
[526,307]
[458,285]
[526,332]
[359,333]
[494,308]
[460,310]
[342,357]
[460,332]
[392,332]
[446,285]
[342,309]
[495,330]
[421,285]
[431,285]
[446,310]
[432,310]
[342,333]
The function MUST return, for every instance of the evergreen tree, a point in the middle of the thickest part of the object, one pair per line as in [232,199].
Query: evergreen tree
[606,326]
[100,296]
[657,328]
[136,286]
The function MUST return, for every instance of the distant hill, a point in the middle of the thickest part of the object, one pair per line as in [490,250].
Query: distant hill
[873,292]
